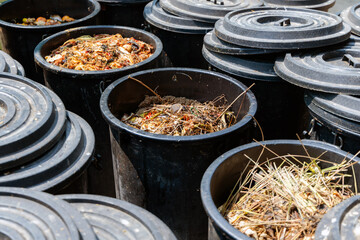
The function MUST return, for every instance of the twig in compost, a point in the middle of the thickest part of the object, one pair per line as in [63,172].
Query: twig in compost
[132,78]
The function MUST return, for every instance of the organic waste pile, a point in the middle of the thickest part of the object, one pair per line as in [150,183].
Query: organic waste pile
[100,52]
[286,201]
[178,116]
[41,21]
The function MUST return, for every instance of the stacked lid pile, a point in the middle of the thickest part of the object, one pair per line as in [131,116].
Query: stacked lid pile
[10,65]
[29,214]
[42,146]
[182,24]
[245,43]
[333,76]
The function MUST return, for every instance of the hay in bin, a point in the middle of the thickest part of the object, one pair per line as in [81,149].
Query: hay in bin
[288,200]
[178,116]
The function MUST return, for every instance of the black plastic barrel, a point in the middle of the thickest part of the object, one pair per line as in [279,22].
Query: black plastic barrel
[182,37]
[123,13]
[163,172]
[223,174]
[20,41]
[81,90]
[114,219]
[281,110]
[42,146]
[28,214]
[335,119]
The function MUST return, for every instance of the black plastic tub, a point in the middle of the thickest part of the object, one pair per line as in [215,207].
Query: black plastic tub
[182,37]
[281,110]
[127,13]
[335,119]
[20,41]
[221,177]
[115,219]
[81,90]
[163,172]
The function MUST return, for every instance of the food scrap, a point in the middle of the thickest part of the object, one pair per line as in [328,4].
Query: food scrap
[179,116]
[42,21]
[100,52]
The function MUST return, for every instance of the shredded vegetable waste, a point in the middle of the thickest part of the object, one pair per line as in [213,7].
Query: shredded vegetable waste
[100,52]
[179,116]
[42,21]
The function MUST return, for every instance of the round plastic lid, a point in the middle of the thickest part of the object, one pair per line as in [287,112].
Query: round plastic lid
[214,44]
[351,16]
[336,122]
[206,10]
[31,121]
[282,28]
[61,164]
[335,71]
[341,105]
[323,5]
[115,219]
[341,222]
[252,68]
[27,214]
[156,16]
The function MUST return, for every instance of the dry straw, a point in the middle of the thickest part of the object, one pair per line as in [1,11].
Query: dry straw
[286,200]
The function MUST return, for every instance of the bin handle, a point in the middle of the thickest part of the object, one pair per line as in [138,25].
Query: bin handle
[101,87]
[307,134]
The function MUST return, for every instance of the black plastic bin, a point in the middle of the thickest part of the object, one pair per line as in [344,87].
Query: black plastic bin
[81,90]
[163,172]
[127,13]
[182,37]
[20,41]
[221,177]
[335,119]
[281,110]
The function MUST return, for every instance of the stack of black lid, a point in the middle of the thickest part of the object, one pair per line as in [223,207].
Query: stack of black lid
[42,146]
[10,65]
[332,77]
[323,5]
[29,214]
[182,24]
[246,43]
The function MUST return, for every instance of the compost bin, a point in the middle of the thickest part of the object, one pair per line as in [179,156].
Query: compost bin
[20,41]
[163,172]
[80,91]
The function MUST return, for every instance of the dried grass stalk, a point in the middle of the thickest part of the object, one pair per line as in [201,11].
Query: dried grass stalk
[178,116]
[286,201]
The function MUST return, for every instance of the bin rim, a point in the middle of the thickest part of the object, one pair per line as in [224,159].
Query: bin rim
[81,74]
[95,3]
[205,190]
[114,122]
